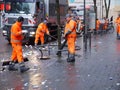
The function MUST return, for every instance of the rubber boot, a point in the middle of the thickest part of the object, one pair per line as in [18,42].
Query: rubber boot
[118,36]
[71,58]
[11,66]
[22,68]
[68,58]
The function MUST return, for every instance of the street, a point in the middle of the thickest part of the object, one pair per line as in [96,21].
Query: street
[96,69]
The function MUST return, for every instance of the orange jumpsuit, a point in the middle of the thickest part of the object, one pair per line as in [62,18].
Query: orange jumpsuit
[97,24]
[117,21]
[71,38]
[40,32]
[16,41]
[105,24]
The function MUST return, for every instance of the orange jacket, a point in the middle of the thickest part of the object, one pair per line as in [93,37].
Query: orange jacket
[42,29]
[16,33]
[97,24]
[71,26]
[117,21]
[105,24]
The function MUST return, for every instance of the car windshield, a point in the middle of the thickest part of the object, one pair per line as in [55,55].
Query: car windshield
[19,7]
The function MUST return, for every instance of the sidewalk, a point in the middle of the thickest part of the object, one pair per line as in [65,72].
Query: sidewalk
[98,69]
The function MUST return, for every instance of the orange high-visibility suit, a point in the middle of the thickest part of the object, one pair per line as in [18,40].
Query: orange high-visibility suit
[16,41]
[105,26]
[40,32]
[71,38]
[97,24]
[117,21]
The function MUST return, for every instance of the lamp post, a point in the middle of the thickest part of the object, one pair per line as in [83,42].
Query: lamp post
[58,22]
[102,8]
[85,27]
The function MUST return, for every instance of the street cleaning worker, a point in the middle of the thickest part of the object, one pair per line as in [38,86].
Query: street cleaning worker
[117,22]
[70,35]
[97,24]
[106,22]
[40,32]
[16,42]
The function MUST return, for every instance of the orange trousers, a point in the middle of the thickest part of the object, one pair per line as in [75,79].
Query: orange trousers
[71,44]
[97,27]
[105,26]
[39,37]
[17,53]
[118,29]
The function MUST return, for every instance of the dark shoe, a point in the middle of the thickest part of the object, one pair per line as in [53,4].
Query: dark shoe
[58,53]
[70,59]
[11,66]
[22,68]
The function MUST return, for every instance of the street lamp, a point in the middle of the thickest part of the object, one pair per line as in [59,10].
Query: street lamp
[85,27]
[102,8]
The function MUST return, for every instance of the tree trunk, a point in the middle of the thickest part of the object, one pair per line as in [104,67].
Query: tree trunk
[95,9]
[107,7]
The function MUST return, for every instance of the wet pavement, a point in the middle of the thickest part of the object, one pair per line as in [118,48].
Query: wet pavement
[96,69]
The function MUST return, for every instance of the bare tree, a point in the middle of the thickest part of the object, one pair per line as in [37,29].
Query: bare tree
[95,7]
[107,7]
[95,10]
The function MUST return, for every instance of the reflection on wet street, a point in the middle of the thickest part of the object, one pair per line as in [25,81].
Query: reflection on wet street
[95,69]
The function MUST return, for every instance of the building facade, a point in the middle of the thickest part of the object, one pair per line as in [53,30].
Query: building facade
[114,7]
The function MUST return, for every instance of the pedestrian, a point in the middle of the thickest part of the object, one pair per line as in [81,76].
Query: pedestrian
[117,22]
[40,32]
[16,42]
[111,19]
[70,36]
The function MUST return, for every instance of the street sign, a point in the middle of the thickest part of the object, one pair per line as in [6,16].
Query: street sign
[91,20]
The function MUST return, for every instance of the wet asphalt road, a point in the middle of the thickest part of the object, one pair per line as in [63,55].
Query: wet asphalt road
[96,69]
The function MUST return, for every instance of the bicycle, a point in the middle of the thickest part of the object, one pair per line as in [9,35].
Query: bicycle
[110,28]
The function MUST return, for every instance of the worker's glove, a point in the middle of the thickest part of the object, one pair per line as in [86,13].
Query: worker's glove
[48,33]
[67,33]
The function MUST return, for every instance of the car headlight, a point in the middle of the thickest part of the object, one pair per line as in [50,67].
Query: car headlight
[32,33]
[24,31]
[4,32]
